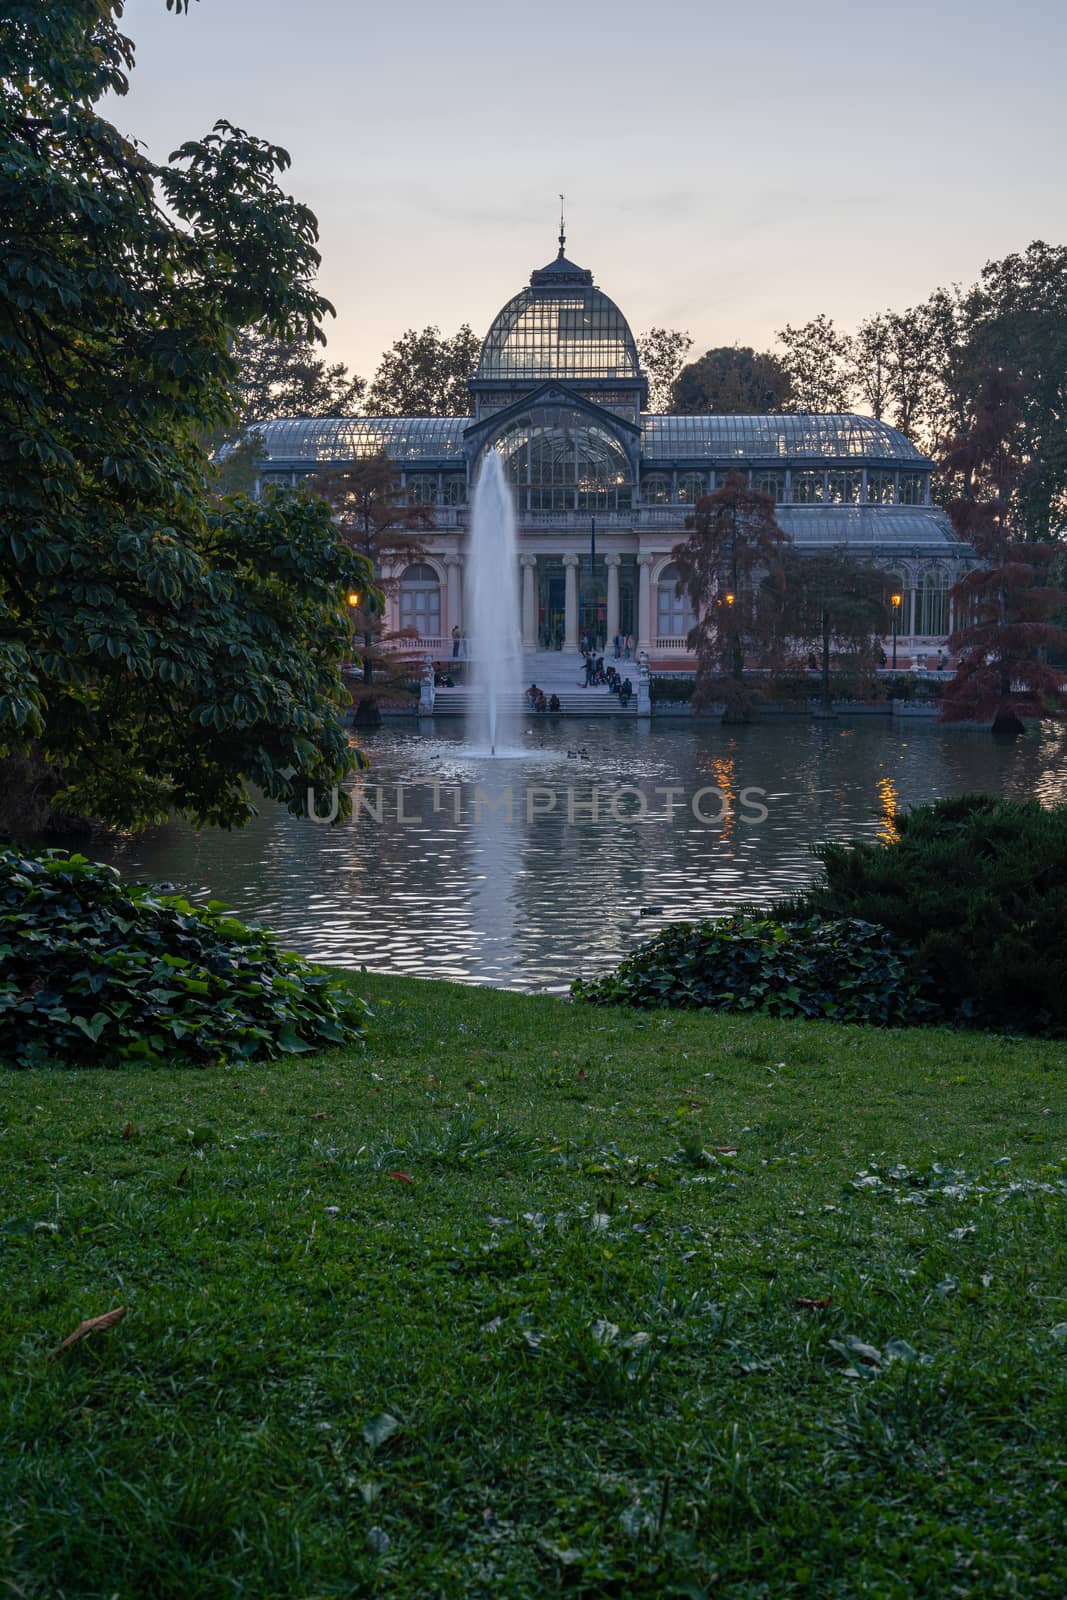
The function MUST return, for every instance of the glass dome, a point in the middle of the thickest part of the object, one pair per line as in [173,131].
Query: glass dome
[561,326]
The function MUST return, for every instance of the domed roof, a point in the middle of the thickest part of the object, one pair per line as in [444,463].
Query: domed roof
[561,326]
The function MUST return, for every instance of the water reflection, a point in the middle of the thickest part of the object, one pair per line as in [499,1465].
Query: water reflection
[526,872]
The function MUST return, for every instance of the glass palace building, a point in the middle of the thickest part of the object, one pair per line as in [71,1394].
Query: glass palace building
[560,394]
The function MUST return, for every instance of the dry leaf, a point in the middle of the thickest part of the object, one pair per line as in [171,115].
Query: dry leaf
[100,1324]
[127,1131]
[322,1116]
[804,1304]
[400,1177]
[726,1149]
[581,1073]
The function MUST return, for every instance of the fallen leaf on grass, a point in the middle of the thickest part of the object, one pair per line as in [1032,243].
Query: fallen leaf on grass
[802,1303]
[100,1324]
[726,1149]
[322,1116]
[127,1132]
[400,1177]
[379,1429]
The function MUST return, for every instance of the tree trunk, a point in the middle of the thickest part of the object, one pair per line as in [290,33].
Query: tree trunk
[28,787]
[1006,725]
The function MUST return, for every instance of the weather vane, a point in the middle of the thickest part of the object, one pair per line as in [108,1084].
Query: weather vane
[562,232]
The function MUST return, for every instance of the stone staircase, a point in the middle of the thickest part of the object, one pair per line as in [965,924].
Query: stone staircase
[556,673]
[578,703]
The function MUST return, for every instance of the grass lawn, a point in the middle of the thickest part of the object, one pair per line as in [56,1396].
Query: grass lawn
[488,1311]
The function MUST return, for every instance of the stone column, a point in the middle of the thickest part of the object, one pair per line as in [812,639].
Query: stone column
[529,602]
[645,640]
[613,564]
[570,609]
[454,619]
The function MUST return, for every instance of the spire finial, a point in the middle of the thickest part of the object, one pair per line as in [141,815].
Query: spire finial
[562,228]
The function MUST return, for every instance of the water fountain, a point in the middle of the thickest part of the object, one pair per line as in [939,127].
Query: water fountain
[493,606]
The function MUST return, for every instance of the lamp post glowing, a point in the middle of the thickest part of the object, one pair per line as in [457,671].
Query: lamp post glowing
[896,599]
[353,598]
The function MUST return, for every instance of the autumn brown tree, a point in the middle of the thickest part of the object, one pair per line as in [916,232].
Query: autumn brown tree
[1008,604]
[380,522]
[731,568]
[836,608]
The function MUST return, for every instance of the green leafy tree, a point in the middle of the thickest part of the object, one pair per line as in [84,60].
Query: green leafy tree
[286,378]
[1008,605]
[836,608]
[662,352]
[870,365]
[1018,323]
[158,652]
[818,359]
[425,375]
[731,568]
[732,381]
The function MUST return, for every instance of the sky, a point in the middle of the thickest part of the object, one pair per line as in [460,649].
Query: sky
[728,168]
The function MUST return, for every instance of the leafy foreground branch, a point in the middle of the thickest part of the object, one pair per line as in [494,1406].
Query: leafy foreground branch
[96,971]
[533,1298]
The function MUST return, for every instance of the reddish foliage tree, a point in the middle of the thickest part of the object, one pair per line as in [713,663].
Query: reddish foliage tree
[731,568]
[377,519]
[1008,603]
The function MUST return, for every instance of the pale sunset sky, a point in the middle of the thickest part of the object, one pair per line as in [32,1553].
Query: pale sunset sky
[728,167]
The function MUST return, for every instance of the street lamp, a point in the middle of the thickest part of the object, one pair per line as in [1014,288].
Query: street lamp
[353,598]
[896,599]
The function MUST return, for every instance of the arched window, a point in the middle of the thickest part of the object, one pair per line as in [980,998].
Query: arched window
[692,486]
[421,488]
[772,483]
[808,486]
[843,487]
[913,488]
[656,489]
[674,613]
[557,460]
[455,489]
[420,600]
[933,602]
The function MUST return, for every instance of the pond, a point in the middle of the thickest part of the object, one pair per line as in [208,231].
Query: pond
[555,861]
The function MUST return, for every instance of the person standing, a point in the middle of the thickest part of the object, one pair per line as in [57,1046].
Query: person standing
[455,642]
[617,646]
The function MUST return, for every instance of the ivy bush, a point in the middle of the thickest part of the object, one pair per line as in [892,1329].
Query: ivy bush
[845,970]
[977,886]
[94,971]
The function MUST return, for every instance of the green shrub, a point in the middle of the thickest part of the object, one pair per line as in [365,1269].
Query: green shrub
[675,688]
[978,886]
[96,971]
[845,971]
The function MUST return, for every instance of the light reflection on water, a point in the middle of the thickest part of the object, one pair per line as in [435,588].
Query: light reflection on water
[461,892]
